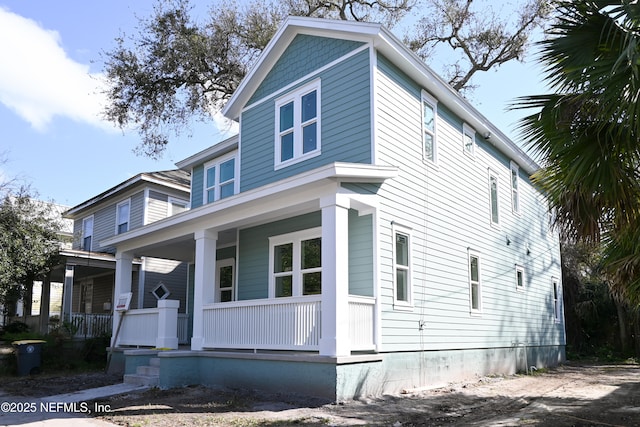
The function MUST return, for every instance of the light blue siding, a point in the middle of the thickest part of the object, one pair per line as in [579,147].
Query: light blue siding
[447,208]
[360,254]
[253,262]
[345,125]
[303,55]
[197,183]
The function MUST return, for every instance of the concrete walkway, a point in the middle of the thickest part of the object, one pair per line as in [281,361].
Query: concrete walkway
[63,410]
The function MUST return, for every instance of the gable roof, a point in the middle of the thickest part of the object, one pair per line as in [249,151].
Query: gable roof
[392,48]
[176,179]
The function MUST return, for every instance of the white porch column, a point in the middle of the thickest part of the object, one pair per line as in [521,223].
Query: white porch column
[204,282]
[124,270]
[67,293]
[167,324]
[335,276]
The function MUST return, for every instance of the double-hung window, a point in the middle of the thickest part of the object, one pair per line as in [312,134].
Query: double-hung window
[475,290]
[402,266]
[220,178]
[556,300]
[298,125]
[87,233]
[429,113]
[515,193]
[175,206]
[493,198]
[519,278]
[296,264]
[122,216]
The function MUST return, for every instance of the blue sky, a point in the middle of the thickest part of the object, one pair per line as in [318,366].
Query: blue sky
[51,134]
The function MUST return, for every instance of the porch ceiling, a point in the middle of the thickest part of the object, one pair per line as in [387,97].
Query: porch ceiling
[182,248]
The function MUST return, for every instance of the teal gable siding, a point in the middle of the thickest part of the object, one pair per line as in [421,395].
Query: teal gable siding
[197,186]
[304,55]
[253,262]
[345,125]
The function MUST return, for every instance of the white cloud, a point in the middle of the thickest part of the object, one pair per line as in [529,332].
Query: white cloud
[39,81]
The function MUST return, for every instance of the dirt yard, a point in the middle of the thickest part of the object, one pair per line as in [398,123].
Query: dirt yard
[571,395]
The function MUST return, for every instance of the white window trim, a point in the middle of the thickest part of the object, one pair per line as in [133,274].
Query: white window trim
[164,288]
[175,201]
[433,102]
[296,239]
[398,304]
[84,220]
[118,219]
[296,97]
[516,201]
[556,300]
[471,253]
[216,163]
[520,269]
[494,174]
[227,262]
[471,132]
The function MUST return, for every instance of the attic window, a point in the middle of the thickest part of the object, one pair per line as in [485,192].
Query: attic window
[160,291]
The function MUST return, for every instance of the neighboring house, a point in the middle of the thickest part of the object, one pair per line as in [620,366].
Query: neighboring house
[87,269]
[367,231]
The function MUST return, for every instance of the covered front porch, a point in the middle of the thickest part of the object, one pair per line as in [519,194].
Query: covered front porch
[250,287]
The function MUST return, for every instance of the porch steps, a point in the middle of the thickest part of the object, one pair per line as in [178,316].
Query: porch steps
[145,375]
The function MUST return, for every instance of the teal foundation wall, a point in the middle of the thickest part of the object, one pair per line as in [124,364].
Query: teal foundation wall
[348,378]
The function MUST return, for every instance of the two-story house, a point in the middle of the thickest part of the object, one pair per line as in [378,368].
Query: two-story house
[88,268]
[367,231]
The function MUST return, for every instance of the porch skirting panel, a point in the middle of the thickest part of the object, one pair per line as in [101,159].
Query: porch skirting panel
[340,378]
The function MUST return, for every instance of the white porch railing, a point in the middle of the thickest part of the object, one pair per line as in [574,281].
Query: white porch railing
[139,327]
[281,324]
[183,328]
[90,325]
[361,323]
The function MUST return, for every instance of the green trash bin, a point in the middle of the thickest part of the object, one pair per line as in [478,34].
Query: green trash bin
[29,356]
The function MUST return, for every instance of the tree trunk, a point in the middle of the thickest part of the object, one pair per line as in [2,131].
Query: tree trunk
[622,324]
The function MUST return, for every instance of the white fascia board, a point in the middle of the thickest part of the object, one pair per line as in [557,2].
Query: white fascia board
[332,173]
[209,153]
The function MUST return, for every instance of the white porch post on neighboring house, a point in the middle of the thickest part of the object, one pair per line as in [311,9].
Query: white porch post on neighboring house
[67,293]
[204,282]
[335,276]
[124,270]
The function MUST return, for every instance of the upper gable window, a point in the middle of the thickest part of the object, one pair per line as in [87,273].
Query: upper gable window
[220,178]
[429,141]
[176,206]
[298,125]
[122,216]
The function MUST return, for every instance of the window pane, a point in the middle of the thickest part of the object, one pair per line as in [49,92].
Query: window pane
[475,297]
[226,190]
[211,177]
[226,296]
[286,147]
[402,250]
[227,170]
[519,279]
[123,228]
[474,268]
[211,196]
[286,116]
[123,212]
[87,243]
[428,116]
[226,277]
[494,200]
[309,138]
[309,106]
[88,227]
[468,143]
[283,258]
[283,286]
[311,283]
[428,146]
[401,285]
[311,253]
[176,208]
